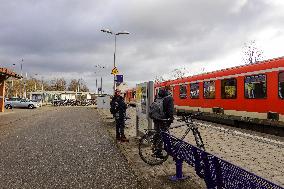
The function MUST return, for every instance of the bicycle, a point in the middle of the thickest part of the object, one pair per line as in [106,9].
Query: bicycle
[147,144]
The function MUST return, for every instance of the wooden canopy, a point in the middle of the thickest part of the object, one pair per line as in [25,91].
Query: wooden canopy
[4,75]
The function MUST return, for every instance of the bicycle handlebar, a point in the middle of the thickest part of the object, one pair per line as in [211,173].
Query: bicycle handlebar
[191,115]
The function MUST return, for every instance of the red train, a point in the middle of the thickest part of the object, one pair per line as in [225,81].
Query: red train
[242,92]
[254,90]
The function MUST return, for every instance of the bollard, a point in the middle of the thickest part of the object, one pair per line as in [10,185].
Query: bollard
[179,175]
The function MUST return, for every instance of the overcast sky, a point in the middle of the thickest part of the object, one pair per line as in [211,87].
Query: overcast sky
[62,38]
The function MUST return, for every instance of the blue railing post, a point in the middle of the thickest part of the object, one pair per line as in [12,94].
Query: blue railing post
[179,175]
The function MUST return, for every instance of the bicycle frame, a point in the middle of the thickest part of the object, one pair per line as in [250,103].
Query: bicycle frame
[188,122]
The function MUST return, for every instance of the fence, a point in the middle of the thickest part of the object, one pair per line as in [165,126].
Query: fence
[217,173]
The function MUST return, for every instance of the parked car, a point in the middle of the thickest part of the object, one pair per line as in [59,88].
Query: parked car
[20,103]
[39,102]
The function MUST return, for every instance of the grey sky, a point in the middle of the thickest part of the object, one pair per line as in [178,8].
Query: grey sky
[62,38]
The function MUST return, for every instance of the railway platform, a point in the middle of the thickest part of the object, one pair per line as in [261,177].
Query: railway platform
[260,154]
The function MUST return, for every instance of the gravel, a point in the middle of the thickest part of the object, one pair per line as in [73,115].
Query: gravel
[65,147]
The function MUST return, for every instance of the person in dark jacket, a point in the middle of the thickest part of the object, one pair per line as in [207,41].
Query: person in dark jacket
[119,111]
[161,125]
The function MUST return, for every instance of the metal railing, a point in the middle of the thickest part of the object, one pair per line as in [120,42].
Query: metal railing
[217,173]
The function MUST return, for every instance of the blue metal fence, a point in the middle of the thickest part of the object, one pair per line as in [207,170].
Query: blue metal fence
[217,173]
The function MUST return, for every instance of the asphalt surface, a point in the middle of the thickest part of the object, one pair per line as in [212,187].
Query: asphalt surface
[65,147]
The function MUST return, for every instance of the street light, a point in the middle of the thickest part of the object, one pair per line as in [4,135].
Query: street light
[96,72]
[21,91]
[115,34]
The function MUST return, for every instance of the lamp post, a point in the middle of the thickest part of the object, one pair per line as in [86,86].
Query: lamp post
[96,72]
[21,91]
[115,34]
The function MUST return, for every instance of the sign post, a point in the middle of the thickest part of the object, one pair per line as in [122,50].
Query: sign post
[119,78]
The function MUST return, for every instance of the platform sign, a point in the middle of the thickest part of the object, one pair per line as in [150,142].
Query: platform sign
[144,97]
[119,78]
[114,71]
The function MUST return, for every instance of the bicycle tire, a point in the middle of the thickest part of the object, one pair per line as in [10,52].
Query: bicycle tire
[146,150]
[198,139]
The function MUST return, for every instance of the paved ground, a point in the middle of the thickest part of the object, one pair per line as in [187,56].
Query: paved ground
[60,148]
[154,176]
[257,153]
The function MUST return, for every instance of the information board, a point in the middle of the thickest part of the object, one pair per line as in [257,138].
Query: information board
[144,97]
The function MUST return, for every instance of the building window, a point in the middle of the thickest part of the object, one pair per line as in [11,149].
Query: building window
[209,89]
[281,85]
[255,86]
[182,91]
[229,88]
[194,90]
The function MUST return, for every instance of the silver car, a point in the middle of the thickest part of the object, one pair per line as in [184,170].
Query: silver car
[20,103]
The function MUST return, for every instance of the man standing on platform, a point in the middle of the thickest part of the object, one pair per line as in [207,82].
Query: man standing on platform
[118,109]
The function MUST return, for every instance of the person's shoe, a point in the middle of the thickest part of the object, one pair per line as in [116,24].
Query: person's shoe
[124,139]
[118,138]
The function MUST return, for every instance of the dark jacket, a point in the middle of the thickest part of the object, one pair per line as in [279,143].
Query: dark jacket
[168,104]
[118,107]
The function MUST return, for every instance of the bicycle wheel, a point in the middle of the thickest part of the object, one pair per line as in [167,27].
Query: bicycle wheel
[198,139]
[147,150]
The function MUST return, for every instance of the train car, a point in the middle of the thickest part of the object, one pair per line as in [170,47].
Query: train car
[253,91]
[130,96]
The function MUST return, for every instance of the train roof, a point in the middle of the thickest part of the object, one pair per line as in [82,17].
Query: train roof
[262,65]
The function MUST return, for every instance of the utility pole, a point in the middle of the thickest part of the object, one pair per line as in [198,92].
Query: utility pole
[101,85]
[21,91]
[97,86]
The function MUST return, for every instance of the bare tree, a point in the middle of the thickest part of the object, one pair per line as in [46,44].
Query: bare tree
[58,84]
[73,85]
[252,53]
[178,73]
[78,85]
[159,79]
[83,86]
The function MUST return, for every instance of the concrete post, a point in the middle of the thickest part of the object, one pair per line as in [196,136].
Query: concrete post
[150,99]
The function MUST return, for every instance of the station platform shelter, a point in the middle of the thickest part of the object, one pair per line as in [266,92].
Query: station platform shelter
[4,75]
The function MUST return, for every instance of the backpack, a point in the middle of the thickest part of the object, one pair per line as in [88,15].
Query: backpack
[156,110]
[113,107]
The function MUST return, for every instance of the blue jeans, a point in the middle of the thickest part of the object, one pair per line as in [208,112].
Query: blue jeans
[160,126]
[120,125]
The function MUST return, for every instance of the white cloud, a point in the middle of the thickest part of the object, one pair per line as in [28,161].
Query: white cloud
[63,38]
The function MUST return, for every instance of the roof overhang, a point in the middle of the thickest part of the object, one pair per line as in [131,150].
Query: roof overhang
[8,73]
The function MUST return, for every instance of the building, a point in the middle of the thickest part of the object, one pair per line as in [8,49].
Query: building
[49,96]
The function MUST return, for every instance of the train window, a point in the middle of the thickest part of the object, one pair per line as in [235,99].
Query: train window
[255,86]
[229,88]
[194,90]
[281,85]
[209,89]
[182,91]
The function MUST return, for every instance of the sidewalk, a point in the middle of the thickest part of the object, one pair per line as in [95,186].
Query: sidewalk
[150,176]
